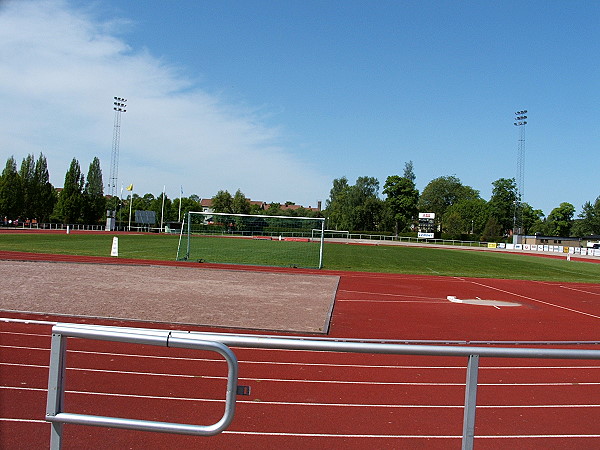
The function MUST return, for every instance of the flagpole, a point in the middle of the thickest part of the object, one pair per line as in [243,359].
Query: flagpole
[162,213]
[130,205]
[130,189]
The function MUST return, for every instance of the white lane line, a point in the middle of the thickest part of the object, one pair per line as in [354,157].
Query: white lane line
[421,302]
[26,334]
[8,419]
[297,380]
[26,321]
[385,294]
[319,404]
[414,436]
[533,299]
[370,436]
[304,364]
[580,290]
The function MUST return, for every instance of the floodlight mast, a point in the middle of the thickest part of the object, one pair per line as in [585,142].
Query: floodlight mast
[520,122]
[119,107]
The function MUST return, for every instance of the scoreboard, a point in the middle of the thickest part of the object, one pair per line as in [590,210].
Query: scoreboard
[426,225]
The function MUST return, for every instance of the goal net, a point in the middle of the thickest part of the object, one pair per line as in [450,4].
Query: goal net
[252,240]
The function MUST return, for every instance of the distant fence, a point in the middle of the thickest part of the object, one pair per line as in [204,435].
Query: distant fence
[415,240]
[545,248]
[81,227]
[52,226]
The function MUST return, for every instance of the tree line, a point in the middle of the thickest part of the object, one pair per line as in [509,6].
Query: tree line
[460,211]
[26,194]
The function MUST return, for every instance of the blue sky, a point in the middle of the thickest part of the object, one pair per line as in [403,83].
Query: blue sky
[278,98]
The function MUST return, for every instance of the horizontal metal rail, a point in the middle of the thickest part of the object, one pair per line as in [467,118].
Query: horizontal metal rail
[193,339]
[57,380]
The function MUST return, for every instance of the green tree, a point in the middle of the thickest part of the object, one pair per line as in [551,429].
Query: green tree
[467,216]
[187,204]
[365,205]
[454,224]
[28,187]
[502,203]
[354,207]
[409,172]
[45,194]
[94,202]
[401,201]
[443,192]
[589,220]
[274,209]
[338,206]
[70,201]
[145,202]
[532,219]
[11,194]
[492,230]
[560,220]
[240,204]
[222,202]
[162,206]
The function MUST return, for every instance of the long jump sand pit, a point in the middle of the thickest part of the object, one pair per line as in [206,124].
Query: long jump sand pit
[208,297]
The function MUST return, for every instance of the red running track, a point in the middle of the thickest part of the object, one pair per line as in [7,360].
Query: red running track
[303,399]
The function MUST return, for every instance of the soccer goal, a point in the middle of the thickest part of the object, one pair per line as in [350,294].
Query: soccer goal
[333,234]
[252,240]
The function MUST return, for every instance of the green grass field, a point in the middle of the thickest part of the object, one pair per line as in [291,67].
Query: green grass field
[380,258]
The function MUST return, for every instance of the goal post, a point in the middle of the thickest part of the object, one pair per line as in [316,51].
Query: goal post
[252,239]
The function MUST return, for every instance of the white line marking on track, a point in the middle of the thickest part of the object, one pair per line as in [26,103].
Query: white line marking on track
[366,436]
[386,294]
[580,290]
[299,363]
[8,419]
[296,380]
[533,299]
[412,436]
[388,301]
[338,405]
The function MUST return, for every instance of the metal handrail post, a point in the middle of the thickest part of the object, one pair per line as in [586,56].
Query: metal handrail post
[470,402]
[56,387]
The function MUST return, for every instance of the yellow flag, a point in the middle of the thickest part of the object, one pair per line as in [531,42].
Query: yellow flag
[129,188]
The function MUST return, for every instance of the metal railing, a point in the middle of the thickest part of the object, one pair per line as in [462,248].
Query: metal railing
[220,342]
[57,380]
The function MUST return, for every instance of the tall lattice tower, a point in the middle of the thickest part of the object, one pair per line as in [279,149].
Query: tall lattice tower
[520,122]
[119,106]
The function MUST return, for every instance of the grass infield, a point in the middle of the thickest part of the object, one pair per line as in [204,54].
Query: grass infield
[362,258]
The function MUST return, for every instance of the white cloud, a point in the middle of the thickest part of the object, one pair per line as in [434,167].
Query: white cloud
[61,68]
